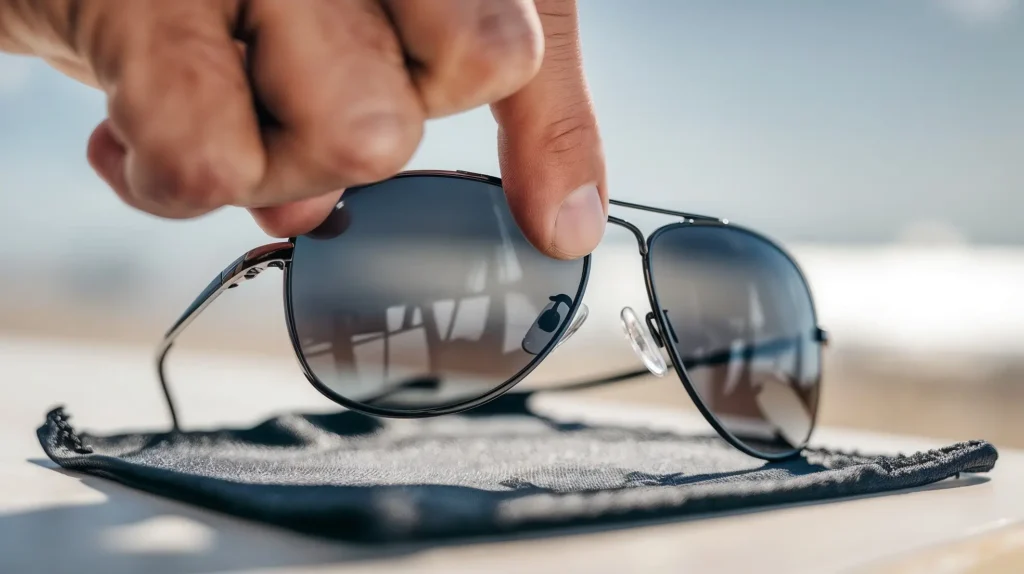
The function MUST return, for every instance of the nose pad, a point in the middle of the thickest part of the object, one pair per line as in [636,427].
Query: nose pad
[547,323]
[581,317]
[642,344]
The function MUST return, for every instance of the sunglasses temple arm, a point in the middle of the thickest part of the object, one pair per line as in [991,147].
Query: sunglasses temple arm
[246,267]
[718,358]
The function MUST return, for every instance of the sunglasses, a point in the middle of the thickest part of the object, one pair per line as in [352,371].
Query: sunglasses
[419,296]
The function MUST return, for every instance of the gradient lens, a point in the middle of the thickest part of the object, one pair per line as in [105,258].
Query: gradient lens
[742,321]
[420,294]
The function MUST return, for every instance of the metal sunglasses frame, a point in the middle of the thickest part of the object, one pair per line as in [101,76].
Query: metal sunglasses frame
[279,256]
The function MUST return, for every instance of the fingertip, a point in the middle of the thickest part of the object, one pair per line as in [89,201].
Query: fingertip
[297,218]
[556,188]
[579,225]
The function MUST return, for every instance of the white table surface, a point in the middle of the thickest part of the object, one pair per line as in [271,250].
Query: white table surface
[54,521]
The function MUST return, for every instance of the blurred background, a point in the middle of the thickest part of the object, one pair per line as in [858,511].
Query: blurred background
[881,142]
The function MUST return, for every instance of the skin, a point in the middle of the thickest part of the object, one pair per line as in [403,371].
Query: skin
[276,106]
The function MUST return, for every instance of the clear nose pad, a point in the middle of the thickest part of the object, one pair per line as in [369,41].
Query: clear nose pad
[642,344]
[547,323]
[581,317]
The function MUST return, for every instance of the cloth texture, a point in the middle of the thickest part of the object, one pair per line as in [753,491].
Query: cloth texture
[496,470]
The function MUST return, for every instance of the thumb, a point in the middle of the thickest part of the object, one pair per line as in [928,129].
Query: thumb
[552,164]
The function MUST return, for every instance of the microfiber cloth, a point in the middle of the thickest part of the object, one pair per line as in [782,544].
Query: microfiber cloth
[496,470]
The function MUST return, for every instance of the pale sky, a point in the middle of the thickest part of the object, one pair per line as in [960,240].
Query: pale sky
[812,121]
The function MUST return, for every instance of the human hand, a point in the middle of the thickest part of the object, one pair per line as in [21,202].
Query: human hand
[276,106]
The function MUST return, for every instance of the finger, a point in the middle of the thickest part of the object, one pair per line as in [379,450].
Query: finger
[296,218]
[333,77]
[178,103]
[467,53]
[107,157]
[552,163]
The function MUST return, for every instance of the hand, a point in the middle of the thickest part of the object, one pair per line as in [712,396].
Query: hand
[277,105]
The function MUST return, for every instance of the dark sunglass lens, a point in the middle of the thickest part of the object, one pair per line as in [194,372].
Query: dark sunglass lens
[420,293]
[742,320]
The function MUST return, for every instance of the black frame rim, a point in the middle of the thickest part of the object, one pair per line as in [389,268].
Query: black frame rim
[677,361]
[444,409]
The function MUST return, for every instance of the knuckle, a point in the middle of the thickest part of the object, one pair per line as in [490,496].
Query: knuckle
[180,162]
[199,181]
[372,149]
[575,131]
[504,41]
[488,57]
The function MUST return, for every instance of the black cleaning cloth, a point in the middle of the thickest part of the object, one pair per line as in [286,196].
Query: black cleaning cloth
[499,469]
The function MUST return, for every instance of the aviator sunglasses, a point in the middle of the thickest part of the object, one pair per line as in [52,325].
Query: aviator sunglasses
[419,296]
